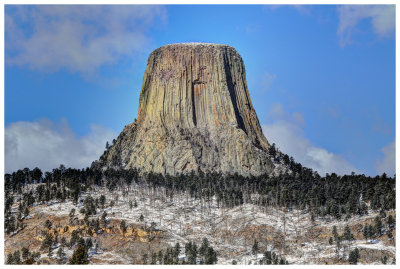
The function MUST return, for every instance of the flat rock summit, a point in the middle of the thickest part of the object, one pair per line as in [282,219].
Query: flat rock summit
[195,113]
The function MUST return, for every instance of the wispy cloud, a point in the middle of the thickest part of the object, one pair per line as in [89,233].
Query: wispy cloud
[286,132]
[387,164]
[47,145]
[382,18]
[267,80]
[302,9]
[79,38]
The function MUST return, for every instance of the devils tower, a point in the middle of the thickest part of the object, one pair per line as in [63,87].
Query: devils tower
[195,113]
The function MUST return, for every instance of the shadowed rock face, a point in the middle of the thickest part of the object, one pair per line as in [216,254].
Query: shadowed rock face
[195,113]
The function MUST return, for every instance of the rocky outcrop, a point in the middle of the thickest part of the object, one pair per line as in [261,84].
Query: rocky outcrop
[195,113]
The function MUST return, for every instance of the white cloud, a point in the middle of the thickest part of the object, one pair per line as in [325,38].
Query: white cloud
[387,164]
[80,38]
[289,137]
[47,145]
[382,17]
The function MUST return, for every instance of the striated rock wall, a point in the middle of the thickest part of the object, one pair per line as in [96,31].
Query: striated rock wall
[195,113]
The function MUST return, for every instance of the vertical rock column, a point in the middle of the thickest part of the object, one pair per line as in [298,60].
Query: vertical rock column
[195,113]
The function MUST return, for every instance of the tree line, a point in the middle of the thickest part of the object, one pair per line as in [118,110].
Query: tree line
[332,195]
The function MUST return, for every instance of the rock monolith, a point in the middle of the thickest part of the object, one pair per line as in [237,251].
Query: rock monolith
[195,113]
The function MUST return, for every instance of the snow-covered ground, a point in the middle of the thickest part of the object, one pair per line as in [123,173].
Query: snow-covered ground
[231,232]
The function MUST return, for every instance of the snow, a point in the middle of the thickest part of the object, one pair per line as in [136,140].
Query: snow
[185,219]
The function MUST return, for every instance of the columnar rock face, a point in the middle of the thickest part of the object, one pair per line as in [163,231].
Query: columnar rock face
[195,113]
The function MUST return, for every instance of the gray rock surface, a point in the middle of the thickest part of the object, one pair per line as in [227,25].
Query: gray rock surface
[195,113]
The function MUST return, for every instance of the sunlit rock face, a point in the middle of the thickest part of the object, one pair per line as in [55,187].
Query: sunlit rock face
[195,113]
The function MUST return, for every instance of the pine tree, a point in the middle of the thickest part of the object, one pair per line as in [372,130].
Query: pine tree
[50,252]
[102,200]
[354,256]
[25,253]
[10,259]
[145,257]
[384,259]
[254,249]
[61,253]
[378,225]
[74,238]
[122,227]
[334,232]
[48,224]
[79,256]
[177,250]
[389,234]
[103,220]
[26,212]
[391,221]
[347,235]
[160,257]
[366,232]
[88,243]
[17,257]
[47,242]
[153,258]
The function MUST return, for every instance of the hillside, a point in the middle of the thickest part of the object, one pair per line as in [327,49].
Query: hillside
[157,218]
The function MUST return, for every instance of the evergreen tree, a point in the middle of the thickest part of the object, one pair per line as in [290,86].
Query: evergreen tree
[153,258]
[17,257]
[254,249]
[10,259]
[60,253]
[177,250]
[26,212]
[25,253]
[354,256]
[389,234]
[366,232]
[48,224]
[160,257]
[50,252]
[47,242]
[74,238]
[335,233]
[384,259]
[123,227]
[347,235]
[10,225]
[103,221]
[102,201]
[378,225]
[391,221]
[145,257]
[79,256]
[88,243]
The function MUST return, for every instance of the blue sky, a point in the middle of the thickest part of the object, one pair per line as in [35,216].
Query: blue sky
[321,78]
